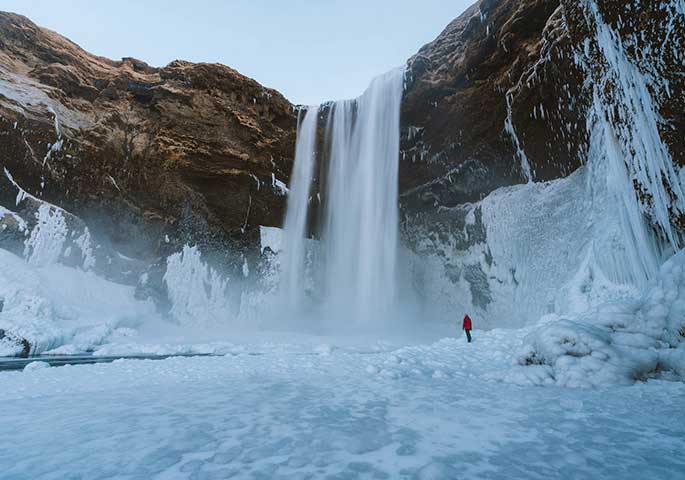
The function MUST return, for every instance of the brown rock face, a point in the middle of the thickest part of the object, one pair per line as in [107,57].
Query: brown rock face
[187,151]
[500,60]
[518,90]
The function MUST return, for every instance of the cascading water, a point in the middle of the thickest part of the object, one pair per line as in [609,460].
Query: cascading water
[298,208]
[359,232]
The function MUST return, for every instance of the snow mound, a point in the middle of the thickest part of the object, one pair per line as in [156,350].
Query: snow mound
[615,343]
[437,471]
[52,305]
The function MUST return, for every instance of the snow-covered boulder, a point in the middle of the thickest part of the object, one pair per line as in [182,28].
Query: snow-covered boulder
[37,365]
[615,343]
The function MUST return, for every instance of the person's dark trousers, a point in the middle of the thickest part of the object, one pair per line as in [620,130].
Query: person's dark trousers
[468,334]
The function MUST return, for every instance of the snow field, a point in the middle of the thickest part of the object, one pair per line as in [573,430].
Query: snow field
[417,412]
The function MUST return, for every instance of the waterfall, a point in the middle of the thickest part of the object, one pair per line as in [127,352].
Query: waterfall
[356,271]
[295,227]
[361,219]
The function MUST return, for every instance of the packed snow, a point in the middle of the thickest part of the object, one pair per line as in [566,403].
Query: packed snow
[422,411]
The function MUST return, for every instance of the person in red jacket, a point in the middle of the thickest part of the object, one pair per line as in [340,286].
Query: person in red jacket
[467,326]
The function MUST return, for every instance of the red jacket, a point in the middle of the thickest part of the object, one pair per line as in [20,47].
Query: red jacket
[467,323]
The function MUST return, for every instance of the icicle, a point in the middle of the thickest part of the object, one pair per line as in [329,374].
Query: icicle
[509,128]
[635,122]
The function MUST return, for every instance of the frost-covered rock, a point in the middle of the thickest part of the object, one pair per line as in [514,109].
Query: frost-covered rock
[197,292]
[12,345]
[48,306]
[615,343]
[583,355]
[37,365]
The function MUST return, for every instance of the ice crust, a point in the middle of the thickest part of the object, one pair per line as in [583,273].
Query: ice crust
[422,411]
[614,343]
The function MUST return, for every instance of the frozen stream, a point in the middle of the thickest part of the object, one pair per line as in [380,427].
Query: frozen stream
[422,411]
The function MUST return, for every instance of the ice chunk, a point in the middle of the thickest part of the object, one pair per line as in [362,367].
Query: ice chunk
[37,365]
[271,238]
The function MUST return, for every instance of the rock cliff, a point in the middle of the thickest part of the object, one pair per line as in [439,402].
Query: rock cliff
[150,158]
[502,96]
[515,93]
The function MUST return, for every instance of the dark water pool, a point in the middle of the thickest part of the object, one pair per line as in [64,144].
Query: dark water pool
[7,364]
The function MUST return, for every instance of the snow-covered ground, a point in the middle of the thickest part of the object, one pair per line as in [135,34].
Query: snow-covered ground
[422,411]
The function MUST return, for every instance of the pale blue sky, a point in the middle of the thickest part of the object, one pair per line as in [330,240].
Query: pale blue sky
[310,50]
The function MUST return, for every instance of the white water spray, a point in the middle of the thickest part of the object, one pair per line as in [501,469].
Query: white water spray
[359,232]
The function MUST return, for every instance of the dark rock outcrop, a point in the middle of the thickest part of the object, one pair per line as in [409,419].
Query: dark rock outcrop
[186,152]
[500,60]
[501,97]
[20,347]
[521,90]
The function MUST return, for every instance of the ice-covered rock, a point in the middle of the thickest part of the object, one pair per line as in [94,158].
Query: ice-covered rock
[197,292]
[48,306]
[614,343]
[37,365]
[12,345]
